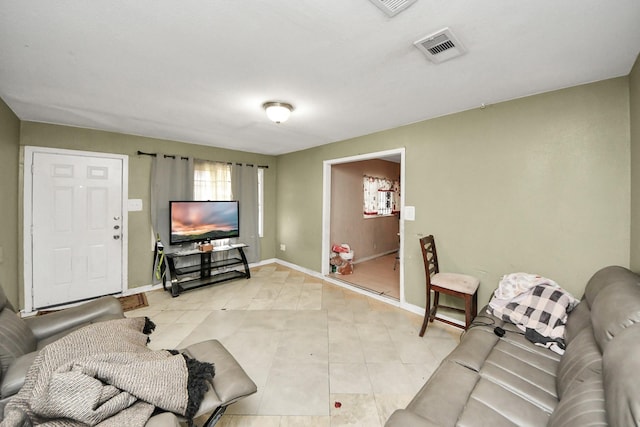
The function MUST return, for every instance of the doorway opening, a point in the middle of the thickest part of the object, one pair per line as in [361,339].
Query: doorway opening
[375,240]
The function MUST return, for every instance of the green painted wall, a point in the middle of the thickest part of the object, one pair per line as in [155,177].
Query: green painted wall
[539,184]
[140,254]
[634,113]
[9,149]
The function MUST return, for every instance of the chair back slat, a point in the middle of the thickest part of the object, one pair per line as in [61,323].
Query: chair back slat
[429,256]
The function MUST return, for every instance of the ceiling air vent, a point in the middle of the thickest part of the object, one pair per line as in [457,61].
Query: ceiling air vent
[440,46]
[393,7]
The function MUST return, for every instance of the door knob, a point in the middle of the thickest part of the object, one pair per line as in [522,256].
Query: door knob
[116,227]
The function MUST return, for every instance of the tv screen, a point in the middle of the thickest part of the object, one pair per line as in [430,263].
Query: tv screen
[202,221]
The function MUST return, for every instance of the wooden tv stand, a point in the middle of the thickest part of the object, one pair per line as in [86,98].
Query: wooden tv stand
[208,270]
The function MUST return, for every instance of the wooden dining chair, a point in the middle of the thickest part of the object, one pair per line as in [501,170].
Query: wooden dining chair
[454,284]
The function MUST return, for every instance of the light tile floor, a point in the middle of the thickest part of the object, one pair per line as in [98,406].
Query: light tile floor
[307,344]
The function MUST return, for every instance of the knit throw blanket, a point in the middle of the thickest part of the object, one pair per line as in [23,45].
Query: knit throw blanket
[104,374]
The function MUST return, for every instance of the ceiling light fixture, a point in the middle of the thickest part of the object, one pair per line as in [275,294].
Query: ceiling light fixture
[278,111]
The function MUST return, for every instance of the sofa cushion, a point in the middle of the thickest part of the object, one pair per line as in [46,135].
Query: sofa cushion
[615,309]
[582,360]
[474,348]
[445,394]
[621,364]
[492,404]
[516,338]
[582,405]
[527,375]
[16,338]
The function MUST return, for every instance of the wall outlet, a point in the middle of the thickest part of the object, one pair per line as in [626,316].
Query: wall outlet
[283,247]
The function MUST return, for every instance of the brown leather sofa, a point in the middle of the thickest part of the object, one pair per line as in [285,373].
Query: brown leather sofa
[21,339]
[508,381]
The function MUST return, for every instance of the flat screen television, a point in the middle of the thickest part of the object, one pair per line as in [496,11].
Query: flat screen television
[203,221]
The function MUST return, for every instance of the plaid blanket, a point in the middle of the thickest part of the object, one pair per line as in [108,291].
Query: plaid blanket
[541,312]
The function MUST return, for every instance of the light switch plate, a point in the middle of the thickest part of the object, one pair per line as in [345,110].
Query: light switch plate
[410,213]
[134,205]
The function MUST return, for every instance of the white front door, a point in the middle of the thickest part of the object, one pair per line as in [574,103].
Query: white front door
[77,227]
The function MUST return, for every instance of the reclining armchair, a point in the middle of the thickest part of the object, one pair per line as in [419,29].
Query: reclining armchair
[21,339]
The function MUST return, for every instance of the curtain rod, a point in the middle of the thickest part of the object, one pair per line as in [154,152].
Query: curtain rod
[166,156]
[169,156]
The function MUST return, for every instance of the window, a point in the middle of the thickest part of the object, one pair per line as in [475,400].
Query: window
[381,196]
[385,202]
[261,202]
[211,180]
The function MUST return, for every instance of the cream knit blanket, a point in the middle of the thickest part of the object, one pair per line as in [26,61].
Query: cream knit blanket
[105,375]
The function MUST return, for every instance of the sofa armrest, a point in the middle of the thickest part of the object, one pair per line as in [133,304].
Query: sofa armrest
[103,308]
[13,379]
[230,382]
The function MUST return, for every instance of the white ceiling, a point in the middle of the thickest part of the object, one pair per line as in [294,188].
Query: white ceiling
[199,71]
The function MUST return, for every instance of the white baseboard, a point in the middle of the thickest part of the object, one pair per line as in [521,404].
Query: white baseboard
[421,311]
[300,269]
[403,305]
[141,289]
[263,262]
